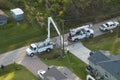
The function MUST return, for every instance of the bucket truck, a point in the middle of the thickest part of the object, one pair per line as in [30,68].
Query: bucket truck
[80,33]
[47,45]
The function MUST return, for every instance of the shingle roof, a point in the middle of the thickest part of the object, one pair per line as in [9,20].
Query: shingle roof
[113,67]
[17,11]
[54,74]
[2,15]
[97,57]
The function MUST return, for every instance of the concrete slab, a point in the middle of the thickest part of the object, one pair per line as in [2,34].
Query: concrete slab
[79,51]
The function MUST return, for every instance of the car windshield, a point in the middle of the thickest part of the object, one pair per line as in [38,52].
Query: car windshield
[83,31]
[107,25]
[103,26]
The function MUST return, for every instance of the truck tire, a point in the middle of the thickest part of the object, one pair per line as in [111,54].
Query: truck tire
[91,35]
[31,55]
[106,30]
[76,40]
[48,50]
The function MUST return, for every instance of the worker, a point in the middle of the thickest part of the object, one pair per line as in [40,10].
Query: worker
[67,50]
[2,66]
[111,31]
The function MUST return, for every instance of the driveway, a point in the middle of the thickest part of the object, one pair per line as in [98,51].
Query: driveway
[80,51]
[19,56]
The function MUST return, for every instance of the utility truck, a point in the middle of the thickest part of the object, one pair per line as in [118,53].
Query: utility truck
[46,45]
[80,33]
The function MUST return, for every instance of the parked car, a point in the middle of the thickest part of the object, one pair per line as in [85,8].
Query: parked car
[40,73]
[108,25]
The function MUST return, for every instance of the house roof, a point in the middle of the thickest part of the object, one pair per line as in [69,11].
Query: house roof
[97,57]
[113,67]
[2,15]
[54,74]
[17,11]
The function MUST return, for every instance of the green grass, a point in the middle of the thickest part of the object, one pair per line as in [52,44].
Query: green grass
[14,35]
[70,61]
[16,72]
[108,41]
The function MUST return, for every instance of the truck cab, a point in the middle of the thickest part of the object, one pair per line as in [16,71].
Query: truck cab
[31,50]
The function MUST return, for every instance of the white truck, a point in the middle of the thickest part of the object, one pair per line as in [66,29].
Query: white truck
[80,33]
[108,25]
[39,47]
[47,45]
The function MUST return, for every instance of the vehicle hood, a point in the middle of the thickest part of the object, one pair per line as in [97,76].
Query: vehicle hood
[29,51]
[91,31]
[117,23]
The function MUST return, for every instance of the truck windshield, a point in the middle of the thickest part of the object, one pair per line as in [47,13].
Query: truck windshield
[31,48]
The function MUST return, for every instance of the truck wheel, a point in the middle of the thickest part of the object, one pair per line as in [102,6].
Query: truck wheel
[75,40]
[91,35]
[31,54]
[48,50]
[106,30]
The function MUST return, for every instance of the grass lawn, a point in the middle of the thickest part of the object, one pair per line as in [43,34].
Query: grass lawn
[17,34]
[108,41]
[14,35]
[70,61]
[11,72]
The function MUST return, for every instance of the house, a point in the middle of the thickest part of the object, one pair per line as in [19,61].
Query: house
[17,14]
[97,57]
[107,66]
[59,73]
[3,18]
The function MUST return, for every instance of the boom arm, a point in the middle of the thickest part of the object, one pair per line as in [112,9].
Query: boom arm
[49,21]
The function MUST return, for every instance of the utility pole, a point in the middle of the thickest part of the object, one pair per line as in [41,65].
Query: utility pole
[63,36]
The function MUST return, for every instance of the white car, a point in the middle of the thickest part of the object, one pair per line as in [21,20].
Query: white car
[40,73]
[108,25]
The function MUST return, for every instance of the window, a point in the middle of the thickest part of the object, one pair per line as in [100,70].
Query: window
[114,24]
[34,48]
[1,22]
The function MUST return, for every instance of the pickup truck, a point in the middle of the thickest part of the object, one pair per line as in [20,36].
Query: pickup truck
[108,25]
